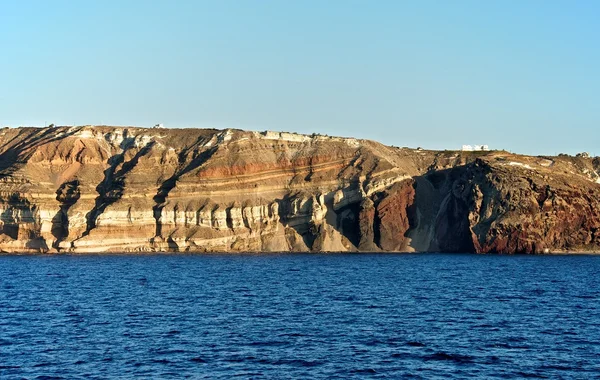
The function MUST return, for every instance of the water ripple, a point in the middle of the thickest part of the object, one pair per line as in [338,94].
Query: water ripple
[299,316]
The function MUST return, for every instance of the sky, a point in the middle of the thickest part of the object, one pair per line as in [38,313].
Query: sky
[520,75]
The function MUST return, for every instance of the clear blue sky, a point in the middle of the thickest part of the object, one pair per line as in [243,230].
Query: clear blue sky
[523,75]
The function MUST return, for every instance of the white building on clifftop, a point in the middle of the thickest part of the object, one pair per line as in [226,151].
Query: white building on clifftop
[474,148]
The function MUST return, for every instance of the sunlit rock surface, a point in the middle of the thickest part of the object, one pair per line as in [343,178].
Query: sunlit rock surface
[127,189]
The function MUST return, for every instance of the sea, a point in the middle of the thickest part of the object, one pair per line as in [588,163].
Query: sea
[299,316]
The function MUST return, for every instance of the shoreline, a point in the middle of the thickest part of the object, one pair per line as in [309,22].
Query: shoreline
[288,253]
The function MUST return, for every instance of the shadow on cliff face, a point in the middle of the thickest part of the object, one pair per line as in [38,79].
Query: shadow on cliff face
[347,222]
[426,213]
[20,221]
[444,202]
[173,246]
[17,210]
[461,206]
[296,212]
[384,219]
[379,222]
[17,151]
[481,207]
[67,195]
[110,190]
[291,217]
[184,166]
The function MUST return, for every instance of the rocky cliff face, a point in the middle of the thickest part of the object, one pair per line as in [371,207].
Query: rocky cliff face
[122,189]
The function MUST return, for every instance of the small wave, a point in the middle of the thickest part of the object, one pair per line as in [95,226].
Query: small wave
[373,342]
[346,299]
[491,360]
[263,316]
[166,351]
[507,298]
[248,374]
[10,366]
[551,332]
[476,311]
[269,343]
[365,371]
[404,355]
[100,323]
[238,359]
[531,375]
[557,367]
[291,362]
[507,346]
[45,364]
[487,326]
[585,296]
[537,292]
[160,361]
[242,290]
[457,358]
[57,275]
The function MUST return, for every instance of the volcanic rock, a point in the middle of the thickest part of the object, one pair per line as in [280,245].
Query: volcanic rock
[128,189]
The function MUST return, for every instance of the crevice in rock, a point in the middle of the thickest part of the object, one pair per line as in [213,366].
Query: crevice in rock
[67,195]
[311,170]
[347,219]
[184,167]
[376,224]
[173,246]
[21,207]
[306,231]
[228,218]
[110,190]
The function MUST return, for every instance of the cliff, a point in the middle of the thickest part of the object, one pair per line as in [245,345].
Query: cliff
[123,189]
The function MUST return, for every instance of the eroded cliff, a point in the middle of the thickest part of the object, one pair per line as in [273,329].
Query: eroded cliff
[95,189]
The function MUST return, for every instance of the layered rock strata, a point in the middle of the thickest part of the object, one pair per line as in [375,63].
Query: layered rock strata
[124,189]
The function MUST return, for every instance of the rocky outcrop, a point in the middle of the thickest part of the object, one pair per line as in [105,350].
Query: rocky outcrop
[495,205]
[124,189]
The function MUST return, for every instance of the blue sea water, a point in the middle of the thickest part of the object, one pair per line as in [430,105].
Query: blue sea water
[299,316]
